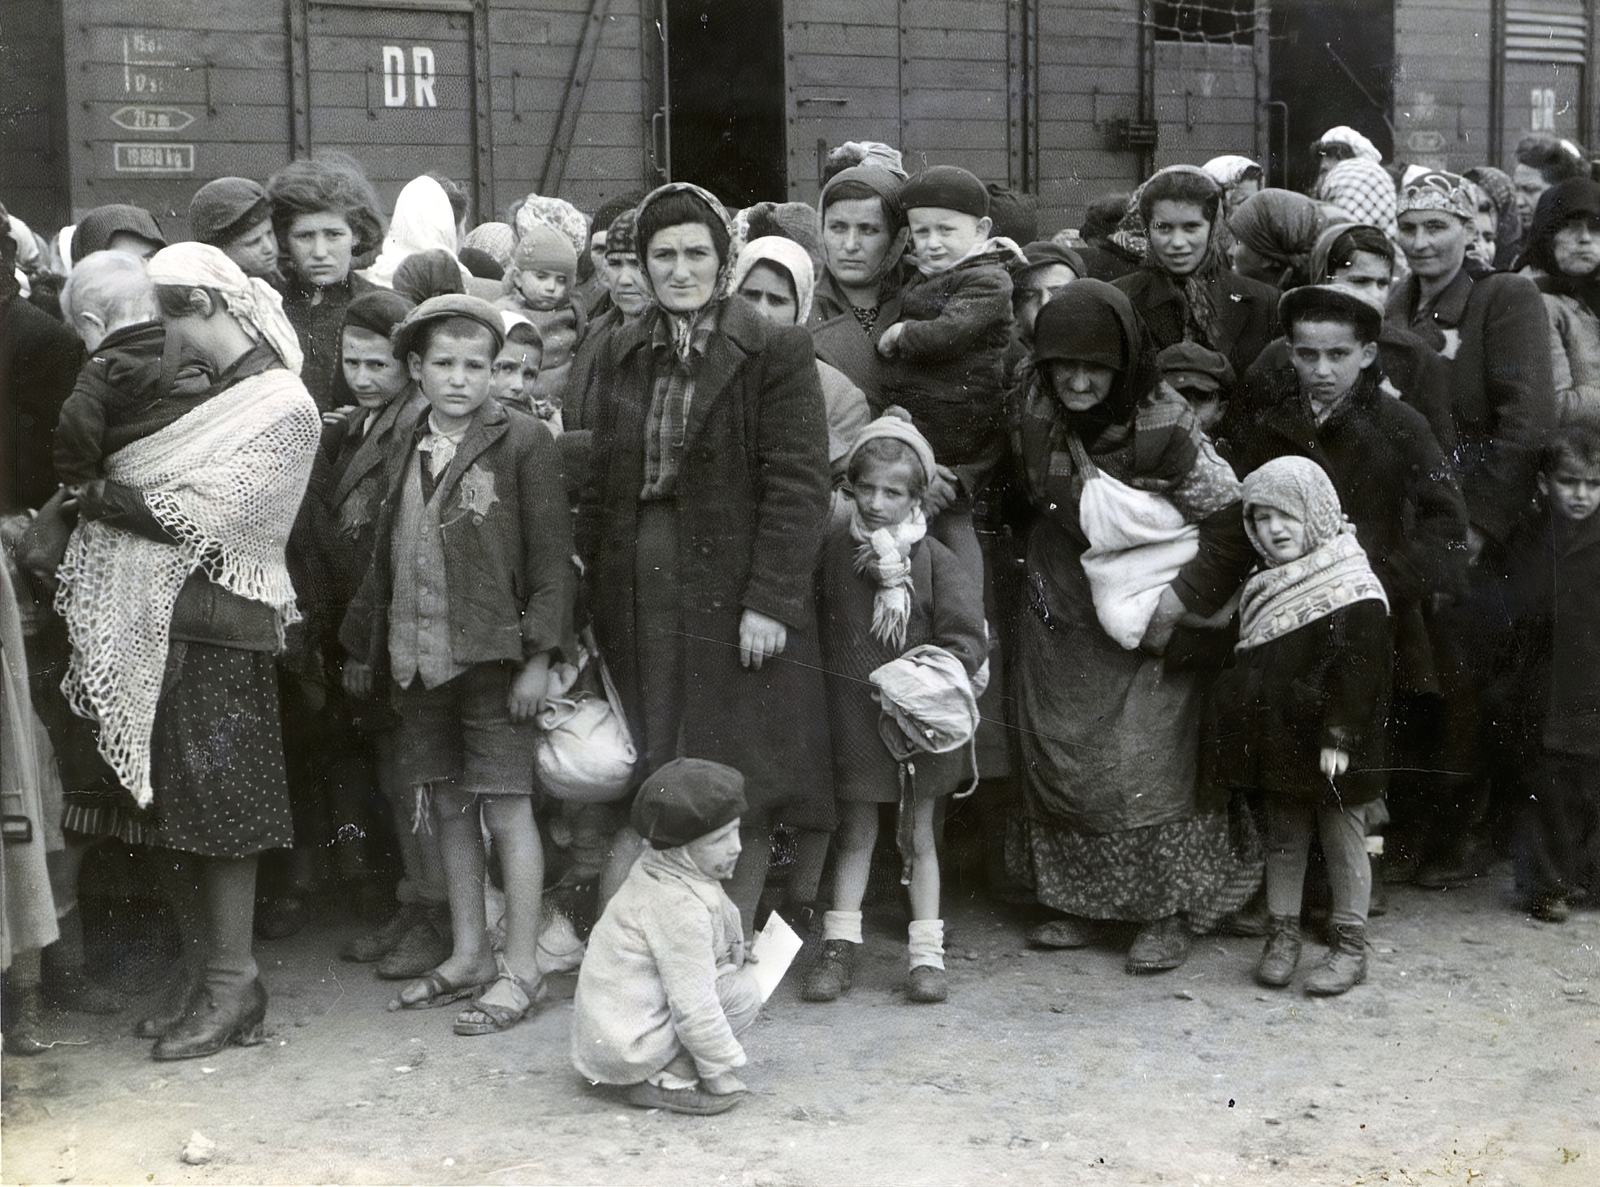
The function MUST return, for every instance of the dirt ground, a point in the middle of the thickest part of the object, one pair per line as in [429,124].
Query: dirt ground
[1471,1056]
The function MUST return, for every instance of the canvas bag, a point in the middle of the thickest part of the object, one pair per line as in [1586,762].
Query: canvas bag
[1138,542]
[585,752]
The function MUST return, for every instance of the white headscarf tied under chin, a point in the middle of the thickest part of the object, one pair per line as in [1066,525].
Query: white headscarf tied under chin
[253,302]
[785,254]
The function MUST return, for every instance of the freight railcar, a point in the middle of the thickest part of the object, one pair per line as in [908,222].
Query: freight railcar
[144,100]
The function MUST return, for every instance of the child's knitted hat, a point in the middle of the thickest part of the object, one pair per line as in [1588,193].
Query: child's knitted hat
[895,423]
[542,246]
[686,799]
[948,187]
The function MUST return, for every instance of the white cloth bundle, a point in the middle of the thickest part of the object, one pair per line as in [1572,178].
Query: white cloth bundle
[1138,542]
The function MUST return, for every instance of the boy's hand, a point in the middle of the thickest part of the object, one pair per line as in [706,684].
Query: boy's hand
[529,687]
[891,336]
[357,679]
[1333,761]
[760,638]
[723,1084]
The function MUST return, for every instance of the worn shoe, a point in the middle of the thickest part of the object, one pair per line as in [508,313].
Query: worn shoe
[1345,966]
[1159,946]
[281,917]
[21,1008]
[375,945]
[1252,919]
[1067,932]
[425,946]
[214,1020]
[832,973]
[1552,909]
[696,1102]
[1281,956]
[927,984]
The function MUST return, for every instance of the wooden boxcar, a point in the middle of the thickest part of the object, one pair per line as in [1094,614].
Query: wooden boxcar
[144,100]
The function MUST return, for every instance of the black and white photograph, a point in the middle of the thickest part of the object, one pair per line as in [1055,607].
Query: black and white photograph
[800,593]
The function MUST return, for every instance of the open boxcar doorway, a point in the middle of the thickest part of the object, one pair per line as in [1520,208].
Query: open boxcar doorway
[725,98]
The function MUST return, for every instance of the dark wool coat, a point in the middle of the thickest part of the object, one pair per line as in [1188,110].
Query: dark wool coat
[1412,367]
[1546,695]
[1247,313]
[1326,684]
[948,370]
[1496,335]
[946,611]
[752,498]
[507,546]
[319,324]
[39,361]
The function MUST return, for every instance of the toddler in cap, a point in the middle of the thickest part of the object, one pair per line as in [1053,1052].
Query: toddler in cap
[1201,376]
[539,283]
[947,352]
[664,993]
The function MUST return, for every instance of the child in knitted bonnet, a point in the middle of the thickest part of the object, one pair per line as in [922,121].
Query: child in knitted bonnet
[886,587]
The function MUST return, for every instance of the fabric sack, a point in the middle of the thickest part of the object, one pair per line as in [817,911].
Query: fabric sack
[928,702]
[1138,542]
[585,752]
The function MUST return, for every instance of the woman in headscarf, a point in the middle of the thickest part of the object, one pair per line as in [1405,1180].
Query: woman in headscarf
[176,596]
[1184,291]
[1273,235]
[701,523]
[1239,177]
[1563,257]
[1500,201]
[774,274]
[1364,190]
[325,212]
[423,221]
[1124,487]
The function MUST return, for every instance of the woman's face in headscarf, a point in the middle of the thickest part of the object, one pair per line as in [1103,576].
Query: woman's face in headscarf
[683,266]
[856,237]
[255,250]
[1483,237]
[1179,235]
[1435,243]
[771,292]
[1247,262]
[625,279]
[1576,247]
[1367,272]
[1079,385]
[320,247]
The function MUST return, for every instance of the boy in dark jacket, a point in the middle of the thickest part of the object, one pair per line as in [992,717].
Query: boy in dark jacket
[1299,717]
[1552,599]
[469,594]
[948,348]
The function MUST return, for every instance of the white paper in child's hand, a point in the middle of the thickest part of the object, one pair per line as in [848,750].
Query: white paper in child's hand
[772,954]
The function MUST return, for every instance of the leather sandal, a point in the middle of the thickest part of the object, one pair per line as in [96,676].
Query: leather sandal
[484,1017]
[442,991]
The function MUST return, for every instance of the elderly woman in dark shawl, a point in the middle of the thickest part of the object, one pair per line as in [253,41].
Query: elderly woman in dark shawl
[1274,233]
[701,522]
[1113,824]
[1563,257]
[1184,291]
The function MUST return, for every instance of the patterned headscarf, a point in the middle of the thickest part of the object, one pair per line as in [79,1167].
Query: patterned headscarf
[1434,189]
[497,239]
[1364,149]
[1332,573]
[620,237]
[1502,195]
[557,213]
[253,302]
[683,325]
[1196,285]
[1364,190]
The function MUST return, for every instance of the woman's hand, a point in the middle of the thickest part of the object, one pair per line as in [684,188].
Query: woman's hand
[1334,761]
[1169,612]
[357,679]
[760,638]
[942,490]
[890,339]
[722,1084]
[89,498]
[529,687]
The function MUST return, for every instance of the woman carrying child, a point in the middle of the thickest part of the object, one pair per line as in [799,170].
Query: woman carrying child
[1112,825]
[176,596]
[1301,715]
[887,590]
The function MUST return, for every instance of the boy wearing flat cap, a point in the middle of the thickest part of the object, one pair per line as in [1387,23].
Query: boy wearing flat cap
[1203,377]
[468,595]
[664,992]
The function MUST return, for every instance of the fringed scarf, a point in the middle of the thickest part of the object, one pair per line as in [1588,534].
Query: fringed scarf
[884,557]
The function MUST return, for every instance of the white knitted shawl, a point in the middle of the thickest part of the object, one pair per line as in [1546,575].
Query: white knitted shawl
[226,480]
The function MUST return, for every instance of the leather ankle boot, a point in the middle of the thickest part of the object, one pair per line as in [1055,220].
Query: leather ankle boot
[1346,963]
[216,1018]
[1279,958]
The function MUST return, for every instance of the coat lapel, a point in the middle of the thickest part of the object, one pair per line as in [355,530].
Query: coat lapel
[377,447]
[730,344]
[485,431]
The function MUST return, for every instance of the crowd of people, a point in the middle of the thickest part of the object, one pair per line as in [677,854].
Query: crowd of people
[533,583]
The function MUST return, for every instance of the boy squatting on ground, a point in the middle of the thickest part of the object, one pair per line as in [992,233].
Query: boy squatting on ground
[469,593]
[1300,715]
[884,588]
[947,353]
[664,991]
